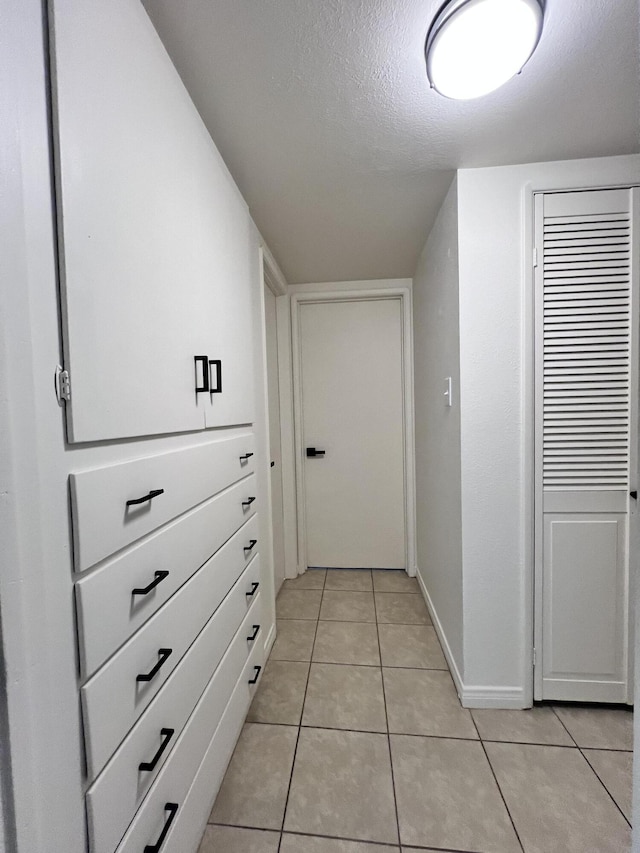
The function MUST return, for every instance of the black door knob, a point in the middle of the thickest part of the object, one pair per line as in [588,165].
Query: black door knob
[312,451]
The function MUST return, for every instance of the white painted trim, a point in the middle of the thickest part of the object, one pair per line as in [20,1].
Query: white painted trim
[529,512]
[634,456]
[473,695]
[273,276]
[287,437]
[403,293]
[268,643]
[479,696]
[444,642]
[263,444]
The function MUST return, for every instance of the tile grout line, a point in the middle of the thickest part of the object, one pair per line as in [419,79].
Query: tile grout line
[304,699]
[386,717]
[493,773]
[372,665]
[591,767]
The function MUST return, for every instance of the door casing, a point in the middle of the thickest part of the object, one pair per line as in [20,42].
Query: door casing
[404,295]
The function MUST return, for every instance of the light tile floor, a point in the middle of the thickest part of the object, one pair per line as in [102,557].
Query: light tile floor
[356,743]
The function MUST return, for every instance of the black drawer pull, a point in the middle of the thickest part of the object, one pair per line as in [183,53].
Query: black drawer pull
[252,543]
[143,500]
[248,502]
[245,457]
[172,808]
[256,631]
[218,366]
[257,670]
[203,360]
[163,656]
[158,578]
[254,587]
[167,734]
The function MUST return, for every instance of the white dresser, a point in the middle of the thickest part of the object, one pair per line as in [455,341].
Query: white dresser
[170,635]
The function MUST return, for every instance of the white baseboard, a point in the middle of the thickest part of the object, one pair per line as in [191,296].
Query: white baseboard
[472,695]
[446,648]
[479,696]
[268,643]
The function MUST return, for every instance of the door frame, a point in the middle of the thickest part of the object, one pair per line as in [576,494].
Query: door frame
[275,282]
[532,497]
[403,294]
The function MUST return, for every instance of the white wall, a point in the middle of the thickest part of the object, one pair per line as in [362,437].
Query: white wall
[437,427]
[495,232]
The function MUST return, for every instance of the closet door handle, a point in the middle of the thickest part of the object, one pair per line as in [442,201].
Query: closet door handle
[167,734]
[204,361]
[256,631]
[254,587]
[218,365]
[158,578]
[634,495]
[145,498]
[248,502]
[246,457]
[163,656]
[172,808]
[257,670]
[249,548]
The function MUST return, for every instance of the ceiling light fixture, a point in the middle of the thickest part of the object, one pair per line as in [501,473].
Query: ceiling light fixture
[474,46]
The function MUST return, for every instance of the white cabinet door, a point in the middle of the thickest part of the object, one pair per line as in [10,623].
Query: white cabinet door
[153,233]
[233,254]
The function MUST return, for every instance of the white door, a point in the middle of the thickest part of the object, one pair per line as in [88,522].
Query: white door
[353,433]
[586,403]
[273,393]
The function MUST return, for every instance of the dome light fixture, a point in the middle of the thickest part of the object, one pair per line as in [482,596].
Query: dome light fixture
[474,46]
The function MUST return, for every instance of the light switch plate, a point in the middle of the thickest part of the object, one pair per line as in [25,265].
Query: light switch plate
[448,393]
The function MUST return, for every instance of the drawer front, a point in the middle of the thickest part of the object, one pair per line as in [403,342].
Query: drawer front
[114,698]
[195,749]
[108,612]
[104,517]
[116,794]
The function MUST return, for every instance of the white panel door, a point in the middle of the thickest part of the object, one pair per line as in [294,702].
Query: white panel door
[273,392]
[154,237]
[352,409]
[586,405]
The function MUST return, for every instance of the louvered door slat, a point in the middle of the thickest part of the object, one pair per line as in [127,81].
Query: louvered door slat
[585,338]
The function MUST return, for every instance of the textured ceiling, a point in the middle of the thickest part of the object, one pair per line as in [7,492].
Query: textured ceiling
[322,111]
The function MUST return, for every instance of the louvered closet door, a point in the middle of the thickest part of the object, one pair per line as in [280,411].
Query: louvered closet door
[585,420]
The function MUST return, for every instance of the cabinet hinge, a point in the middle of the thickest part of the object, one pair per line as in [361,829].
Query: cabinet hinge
[535,258]
[534,657]
[63,385]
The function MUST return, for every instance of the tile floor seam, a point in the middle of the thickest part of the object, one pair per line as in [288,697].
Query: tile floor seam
[593,770]
[354,840]
[493,773]
[386,717]
[304,699]
[597,775]
[359,622]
